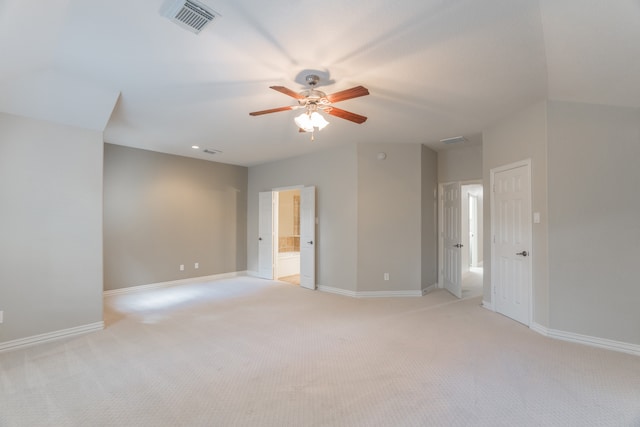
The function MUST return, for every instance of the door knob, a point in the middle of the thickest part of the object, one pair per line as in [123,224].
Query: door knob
[310,242]
[259,238]
[523,253]
[458,245]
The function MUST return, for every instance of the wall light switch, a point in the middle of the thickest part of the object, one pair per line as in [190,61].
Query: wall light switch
[196,265]
[181,267]
[386,276]
[1,316]
[536,217]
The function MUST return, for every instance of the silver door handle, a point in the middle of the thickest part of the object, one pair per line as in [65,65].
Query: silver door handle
[310,242]
[523,253]
[458,245]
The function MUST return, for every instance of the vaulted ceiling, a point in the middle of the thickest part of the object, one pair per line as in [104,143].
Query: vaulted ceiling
[434,68]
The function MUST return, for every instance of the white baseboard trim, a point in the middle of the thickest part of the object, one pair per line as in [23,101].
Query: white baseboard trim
[50,336]
[387,294]
[542,330]
[338,291]
[252,274]
[175,283]
[429,289]
[607,344]
[373,294]
[488,305]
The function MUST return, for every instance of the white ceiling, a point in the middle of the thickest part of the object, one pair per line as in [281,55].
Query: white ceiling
[435,68]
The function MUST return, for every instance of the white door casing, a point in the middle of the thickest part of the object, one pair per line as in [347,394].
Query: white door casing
[451,222]
[511,241]
[265,234]
[308,237]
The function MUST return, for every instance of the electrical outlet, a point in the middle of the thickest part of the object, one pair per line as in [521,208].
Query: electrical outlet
[181,267]
[386,276]
[196,265]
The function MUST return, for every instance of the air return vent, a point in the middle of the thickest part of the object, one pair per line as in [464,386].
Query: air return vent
[454,140]
[190,15]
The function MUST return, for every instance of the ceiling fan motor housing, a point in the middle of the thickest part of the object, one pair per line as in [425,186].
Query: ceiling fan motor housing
[312,79]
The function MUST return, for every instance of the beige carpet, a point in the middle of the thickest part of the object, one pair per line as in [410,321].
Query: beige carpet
[249,352]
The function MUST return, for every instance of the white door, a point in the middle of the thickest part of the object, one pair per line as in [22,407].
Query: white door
[511,228]
[265,234]
[473,229]
[308,237]
[452,245]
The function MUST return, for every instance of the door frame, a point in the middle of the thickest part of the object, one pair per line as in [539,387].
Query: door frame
[492,172]
[441,225]
[275,249]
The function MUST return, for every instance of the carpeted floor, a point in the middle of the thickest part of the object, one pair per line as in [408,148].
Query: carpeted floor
[250,352]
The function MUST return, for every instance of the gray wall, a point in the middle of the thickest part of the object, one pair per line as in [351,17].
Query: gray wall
[523,136]
[429,217]
[51,228]
[161,211]
[594,226]
[389,217]
[334,174]
[373,215]
[462,163]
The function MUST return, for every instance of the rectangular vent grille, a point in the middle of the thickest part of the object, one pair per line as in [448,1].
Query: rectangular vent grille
[191,15]
[454,140]
[211,151]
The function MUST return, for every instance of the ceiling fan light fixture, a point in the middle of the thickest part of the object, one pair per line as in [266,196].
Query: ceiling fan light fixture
[318,121]
[309,121]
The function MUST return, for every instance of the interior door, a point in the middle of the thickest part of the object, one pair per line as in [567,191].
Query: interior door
[511,264]
[265,234]
[451,222]
[308,237]
[473,229]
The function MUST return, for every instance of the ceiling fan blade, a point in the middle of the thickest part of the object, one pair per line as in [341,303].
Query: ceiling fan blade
[347,115]
[354,92]
[273,110]
[287,91]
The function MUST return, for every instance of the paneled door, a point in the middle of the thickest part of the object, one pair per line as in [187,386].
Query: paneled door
[308,237]
[452,269]
[511,229]
[265,234]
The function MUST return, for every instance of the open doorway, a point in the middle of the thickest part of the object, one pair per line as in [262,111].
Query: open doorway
[287,235]
[269,264]
[461,236]
[472,239]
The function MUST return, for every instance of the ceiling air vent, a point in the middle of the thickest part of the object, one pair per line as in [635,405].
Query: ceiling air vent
[454,140]
[212,151]
[190,15]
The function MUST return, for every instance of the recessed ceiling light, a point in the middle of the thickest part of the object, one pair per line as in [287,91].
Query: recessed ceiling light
[195,147]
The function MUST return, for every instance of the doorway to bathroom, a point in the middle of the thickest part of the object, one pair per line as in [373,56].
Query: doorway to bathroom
[298,250]
[287,233]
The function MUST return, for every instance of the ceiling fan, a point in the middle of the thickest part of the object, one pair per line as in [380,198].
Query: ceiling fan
[313,100]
